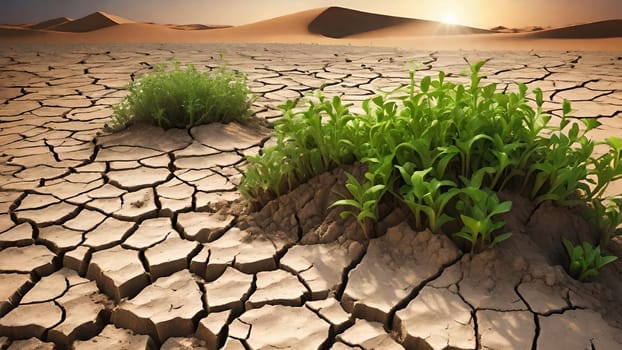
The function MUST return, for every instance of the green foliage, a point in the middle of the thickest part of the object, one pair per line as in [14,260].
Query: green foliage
[585,261]
[176,97]
[307,144]
[480,207]
[444,150]
[426,196]
[365,199]
[607,215]
[605,168]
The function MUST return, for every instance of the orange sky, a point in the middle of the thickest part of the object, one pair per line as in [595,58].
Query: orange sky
[478,13]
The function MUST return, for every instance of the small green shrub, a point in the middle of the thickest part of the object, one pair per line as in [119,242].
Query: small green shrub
[585,261]
[176,97]
[444,150]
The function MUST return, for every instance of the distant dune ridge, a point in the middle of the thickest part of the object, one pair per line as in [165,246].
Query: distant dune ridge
[602,29]
[339,22]
[504,29]
[91,22]
[50,23]
[326,25]
[194,26]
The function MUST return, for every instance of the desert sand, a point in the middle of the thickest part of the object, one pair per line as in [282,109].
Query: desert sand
[330,25]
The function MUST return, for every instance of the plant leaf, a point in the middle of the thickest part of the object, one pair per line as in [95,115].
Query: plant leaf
[566,108]
[346,202]
[469,237]
[588,274]
[569,247]
[590,123]
[604,260]
[501,208]
[425,83]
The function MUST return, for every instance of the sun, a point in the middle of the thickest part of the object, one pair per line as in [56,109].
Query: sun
[450,18]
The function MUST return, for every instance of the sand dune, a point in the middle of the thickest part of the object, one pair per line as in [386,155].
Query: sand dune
[295,24]
[89,23]
[23,34]
[327,25]
[419,28]
[339,22]
[194,26]
[504,29]
[143,32]
[602,29]
[50,23]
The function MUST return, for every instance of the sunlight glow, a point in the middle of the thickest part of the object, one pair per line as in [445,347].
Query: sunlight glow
[450,18]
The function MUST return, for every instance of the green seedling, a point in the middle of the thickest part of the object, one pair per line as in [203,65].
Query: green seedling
[607,215]
[564,165]
[480,208]
[606,168]
[427,197]
[273,174]
[308,143]
[365,198]
[173,96]
[585,261]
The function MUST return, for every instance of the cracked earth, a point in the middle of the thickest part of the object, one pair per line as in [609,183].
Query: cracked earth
[139,239]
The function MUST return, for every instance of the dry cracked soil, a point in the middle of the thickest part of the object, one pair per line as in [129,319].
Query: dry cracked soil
[139,240]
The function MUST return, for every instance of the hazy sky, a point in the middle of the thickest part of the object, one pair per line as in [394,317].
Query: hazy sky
[479,13]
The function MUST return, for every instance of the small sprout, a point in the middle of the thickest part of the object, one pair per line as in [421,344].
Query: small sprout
[481,207]
[427,196]
[366,197]
[585,261]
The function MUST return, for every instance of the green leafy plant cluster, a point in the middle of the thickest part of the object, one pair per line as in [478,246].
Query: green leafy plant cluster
[444,150]
[585,261]
[607,215]
[173,96]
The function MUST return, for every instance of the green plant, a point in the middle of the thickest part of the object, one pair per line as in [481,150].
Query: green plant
[271,176]
[606,168]
[607,215]
[585,261]
[176,97]
[308,143]
[480,206]
[442,149]
[365,200]
[564,163]
[429,197]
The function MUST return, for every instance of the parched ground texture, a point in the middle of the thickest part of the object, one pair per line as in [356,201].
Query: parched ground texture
[137,240]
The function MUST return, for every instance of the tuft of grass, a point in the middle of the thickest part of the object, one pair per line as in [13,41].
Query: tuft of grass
[173,96]
[444,150]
